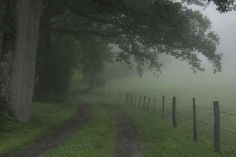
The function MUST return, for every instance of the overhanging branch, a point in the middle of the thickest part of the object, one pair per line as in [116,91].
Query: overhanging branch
[94,18]
[85,31]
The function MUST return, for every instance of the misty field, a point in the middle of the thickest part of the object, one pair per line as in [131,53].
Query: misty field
[204,100]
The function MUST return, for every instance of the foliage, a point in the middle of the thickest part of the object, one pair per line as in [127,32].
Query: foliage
[55,67]
[94,53]
[2,12]
[144,29]
[222,5]
[5,117]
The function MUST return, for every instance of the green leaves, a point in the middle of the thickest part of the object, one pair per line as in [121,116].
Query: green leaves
[2,13]
[143,29]
[94,53]
[222,5]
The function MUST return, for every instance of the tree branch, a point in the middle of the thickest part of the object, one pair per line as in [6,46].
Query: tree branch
[85,31]
[95,18]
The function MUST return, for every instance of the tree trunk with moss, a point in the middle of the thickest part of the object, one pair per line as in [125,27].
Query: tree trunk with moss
[7,52]
[20,56]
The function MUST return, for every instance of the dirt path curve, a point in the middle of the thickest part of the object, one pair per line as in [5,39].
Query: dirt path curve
[58,137]
[128,143]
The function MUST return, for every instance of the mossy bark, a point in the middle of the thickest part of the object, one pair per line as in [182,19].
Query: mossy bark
[19,52]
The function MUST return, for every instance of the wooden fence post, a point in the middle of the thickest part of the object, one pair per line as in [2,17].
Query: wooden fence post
[163,107]
[144,101]
[147,108]
[194,120]
[127,97]
[131,98]
[120,95]
[217,144]
[174,113]
[140,100]
[109,90]
[154,103]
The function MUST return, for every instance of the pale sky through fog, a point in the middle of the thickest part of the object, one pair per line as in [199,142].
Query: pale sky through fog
[225,26]
[179,73]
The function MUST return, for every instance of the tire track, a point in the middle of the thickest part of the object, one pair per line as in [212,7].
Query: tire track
[58,137]
[127,144]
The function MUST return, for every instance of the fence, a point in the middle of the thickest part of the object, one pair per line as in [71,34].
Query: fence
[187,116]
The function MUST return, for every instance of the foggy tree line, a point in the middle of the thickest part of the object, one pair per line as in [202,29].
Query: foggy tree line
[48,33]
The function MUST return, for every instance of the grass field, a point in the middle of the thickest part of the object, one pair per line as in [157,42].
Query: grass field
[160,139]
[46,117]
[205,95]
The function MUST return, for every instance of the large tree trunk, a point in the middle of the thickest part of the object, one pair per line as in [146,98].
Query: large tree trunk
[20,55]
[23,69]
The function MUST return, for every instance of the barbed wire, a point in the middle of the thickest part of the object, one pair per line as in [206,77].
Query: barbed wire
[227,113]
[185,115]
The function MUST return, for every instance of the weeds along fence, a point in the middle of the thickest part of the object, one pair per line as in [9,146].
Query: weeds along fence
[196,120]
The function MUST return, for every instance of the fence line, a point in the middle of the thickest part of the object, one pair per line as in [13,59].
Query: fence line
[218,139]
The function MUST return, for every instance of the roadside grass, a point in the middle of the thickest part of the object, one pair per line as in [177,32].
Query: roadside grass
[97,137]
[46,118]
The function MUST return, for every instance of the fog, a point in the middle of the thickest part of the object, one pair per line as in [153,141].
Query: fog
[224,25]
[177,73]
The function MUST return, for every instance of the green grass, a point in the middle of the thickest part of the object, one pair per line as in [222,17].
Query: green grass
[96,139]
[204,94]
[46,117]
[204,112]
[158,138]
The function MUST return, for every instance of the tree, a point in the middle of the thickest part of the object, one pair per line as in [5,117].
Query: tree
[94,54]
[49,67]
[18,56]
[143,29]
[222,5]
[55,67]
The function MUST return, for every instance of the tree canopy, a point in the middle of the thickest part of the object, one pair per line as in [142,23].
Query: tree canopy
[142,29]
[222,5]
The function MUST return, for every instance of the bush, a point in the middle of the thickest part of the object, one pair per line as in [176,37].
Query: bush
[5,116]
